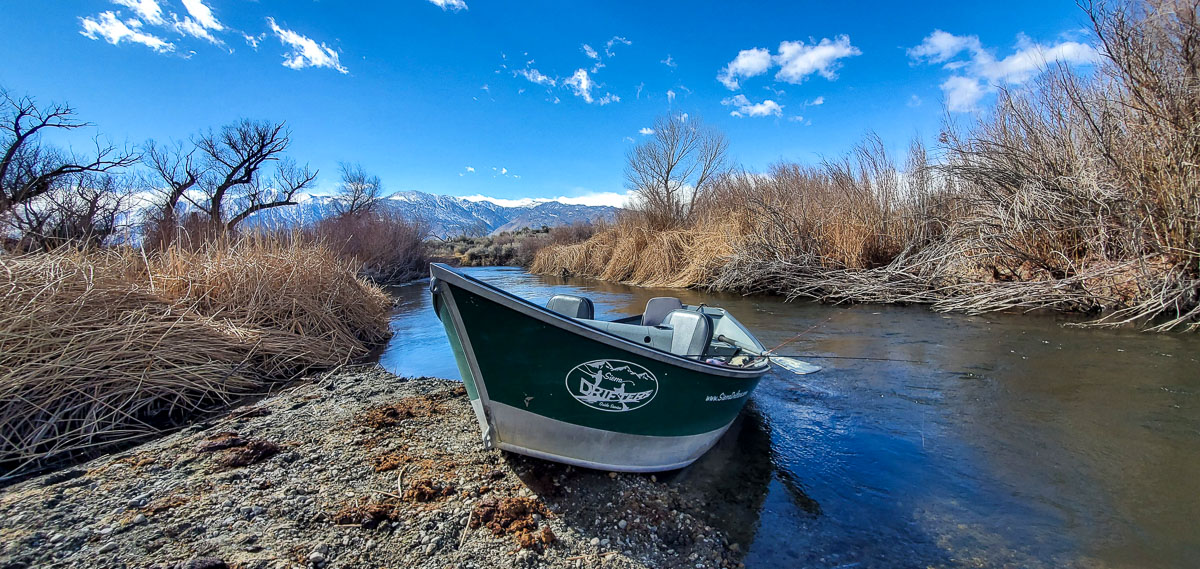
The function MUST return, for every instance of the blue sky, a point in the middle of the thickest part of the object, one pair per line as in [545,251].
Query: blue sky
[538,99]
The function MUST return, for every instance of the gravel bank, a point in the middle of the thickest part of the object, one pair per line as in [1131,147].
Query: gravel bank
[355,469]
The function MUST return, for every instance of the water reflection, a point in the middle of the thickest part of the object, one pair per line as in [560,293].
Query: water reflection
[1015,442]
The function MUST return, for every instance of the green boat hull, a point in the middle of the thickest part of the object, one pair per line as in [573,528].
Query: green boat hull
[548,386]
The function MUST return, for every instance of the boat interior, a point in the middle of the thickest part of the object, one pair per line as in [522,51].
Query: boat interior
[701,332]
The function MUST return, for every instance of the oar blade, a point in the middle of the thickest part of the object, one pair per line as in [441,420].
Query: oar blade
[795,366]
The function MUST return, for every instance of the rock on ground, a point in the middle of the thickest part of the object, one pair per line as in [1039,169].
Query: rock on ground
[355,469]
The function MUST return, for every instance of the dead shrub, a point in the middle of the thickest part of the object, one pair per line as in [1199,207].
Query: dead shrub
[107,347]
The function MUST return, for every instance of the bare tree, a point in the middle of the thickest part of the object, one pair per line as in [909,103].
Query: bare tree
[359,191]
[84,210]
[29,169]
[221,173]
[671,170]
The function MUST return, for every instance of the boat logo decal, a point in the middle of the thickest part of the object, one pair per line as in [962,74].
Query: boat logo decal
[612,385]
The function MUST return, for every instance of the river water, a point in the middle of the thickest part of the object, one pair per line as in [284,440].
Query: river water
[1006,441]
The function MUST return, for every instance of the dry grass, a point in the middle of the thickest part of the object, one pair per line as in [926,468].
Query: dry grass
[103,348]
[1075,193]
[384,246]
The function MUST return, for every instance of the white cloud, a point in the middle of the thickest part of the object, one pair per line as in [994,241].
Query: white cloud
[976,72]
[798,60]
[202,14]
[744,107]
[503,171]
[683,117]
[614,199]
[471,169]
[591,53]
[190,27]
[615,40]
[581,84]
[748,63]
[252,41]
[451,5]
[941,46]
[645,131]
[820,100]
[670,96]
[914,101]
[609,98]
[796,118]
[305,52]
[106,26]
[962,93]
[669,62]
[535,76]
[148,10]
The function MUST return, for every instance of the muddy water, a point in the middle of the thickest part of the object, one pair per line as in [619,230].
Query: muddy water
[1008,441]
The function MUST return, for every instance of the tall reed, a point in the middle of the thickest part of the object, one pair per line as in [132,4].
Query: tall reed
[106,347]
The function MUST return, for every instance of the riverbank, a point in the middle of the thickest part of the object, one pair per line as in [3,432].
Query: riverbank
[350,469]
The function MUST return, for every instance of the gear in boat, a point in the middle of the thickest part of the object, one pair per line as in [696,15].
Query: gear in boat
[671,326]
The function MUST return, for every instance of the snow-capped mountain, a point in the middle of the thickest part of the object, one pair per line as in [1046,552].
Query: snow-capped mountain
[448,215]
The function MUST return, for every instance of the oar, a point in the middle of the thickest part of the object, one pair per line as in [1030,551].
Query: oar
[791,364]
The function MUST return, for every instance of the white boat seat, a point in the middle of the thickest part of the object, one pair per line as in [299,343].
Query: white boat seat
[658,308]
[692,332]
[572,306]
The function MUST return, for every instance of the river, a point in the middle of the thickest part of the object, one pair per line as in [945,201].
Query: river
[1003,441]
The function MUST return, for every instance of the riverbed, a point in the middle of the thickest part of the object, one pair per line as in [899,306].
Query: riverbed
[969,441]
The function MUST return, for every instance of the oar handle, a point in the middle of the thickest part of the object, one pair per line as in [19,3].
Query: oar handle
[732,342]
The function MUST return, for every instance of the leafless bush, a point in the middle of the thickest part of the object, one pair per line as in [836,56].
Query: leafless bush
[385,245]
[1077,192]
[670,171]
[83,210]
[359,191]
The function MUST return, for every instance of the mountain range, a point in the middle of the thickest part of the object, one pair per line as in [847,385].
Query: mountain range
[447,215]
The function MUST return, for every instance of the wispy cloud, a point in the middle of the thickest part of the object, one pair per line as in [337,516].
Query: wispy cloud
[535,76]
[199,23]
[581,83]
[748,63]
[471,169]
[108,27]
[608,45]
[203,14]
[744,107]
[645,131]
[190,27]
[304,51]
[669,61]
[450,5]
[253,41]
[590,52]
[148,10]
[976,71]
[608,98]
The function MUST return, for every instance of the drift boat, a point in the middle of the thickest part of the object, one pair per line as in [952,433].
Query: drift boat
[645,393]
